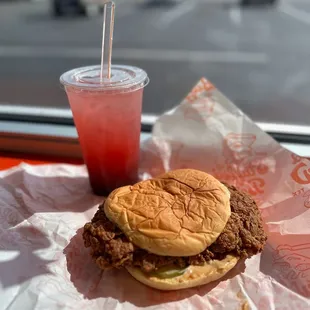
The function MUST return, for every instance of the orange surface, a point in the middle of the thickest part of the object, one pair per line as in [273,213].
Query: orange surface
[9,160]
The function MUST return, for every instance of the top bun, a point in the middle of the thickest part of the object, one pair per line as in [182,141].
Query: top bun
[179,213]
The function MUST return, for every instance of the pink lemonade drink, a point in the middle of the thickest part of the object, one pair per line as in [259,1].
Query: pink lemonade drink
[107,116]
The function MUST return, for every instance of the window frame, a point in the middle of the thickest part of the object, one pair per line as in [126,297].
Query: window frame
[51,131]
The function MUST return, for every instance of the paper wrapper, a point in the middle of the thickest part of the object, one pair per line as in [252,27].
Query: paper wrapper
[44,265]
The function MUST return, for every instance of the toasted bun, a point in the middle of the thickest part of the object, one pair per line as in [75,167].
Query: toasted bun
[180,213]
[194,275]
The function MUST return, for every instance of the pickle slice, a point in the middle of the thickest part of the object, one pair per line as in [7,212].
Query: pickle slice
[168,272]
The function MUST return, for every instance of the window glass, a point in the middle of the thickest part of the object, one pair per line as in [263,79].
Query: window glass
[255,51]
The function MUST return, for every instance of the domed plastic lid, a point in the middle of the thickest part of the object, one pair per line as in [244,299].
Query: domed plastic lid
[123,79]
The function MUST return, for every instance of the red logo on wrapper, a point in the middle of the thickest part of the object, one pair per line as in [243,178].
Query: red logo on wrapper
[240,144]
[207,85]
[246,178]
[301,173]
[306,194]
[200,110]
[204,86]
[296,158]
[248,167]
[293,264]
[307,200]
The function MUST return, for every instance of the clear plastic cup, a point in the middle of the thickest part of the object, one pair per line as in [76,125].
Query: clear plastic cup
[107,116]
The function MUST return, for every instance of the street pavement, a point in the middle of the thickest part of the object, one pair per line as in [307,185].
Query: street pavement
[258,56]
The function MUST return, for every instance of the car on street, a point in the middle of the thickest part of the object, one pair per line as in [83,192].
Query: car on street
[87,7]
[257,2]
[74,7]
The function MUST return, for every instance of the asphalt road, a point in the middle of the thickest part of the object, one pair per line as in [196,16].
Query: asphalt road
[258,57]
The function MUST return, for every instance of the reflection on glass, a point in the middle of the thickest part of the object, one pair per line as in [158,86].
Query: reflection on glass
[254,51]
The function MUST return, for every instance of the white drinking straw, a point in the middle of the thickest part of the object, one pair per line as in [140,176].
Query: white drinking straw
[107,40]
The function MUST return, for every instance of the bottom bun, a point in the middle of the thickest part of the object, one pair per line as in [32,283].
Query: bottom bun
[193,276]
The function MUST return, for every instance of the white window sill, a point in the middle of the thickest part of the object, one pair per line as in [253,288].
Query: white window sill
[61,140]
[50,131]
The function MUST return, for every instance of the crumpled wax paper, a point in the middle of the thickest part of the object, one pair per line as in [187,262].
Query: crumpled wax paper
[43,262]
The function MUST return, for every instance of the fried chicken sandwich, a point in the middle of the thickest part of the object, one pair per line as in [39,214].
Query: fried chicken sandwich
[179,230]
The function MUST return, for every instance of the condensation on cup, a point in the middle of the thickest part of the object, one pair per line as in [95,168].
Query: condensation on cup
[107,116]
